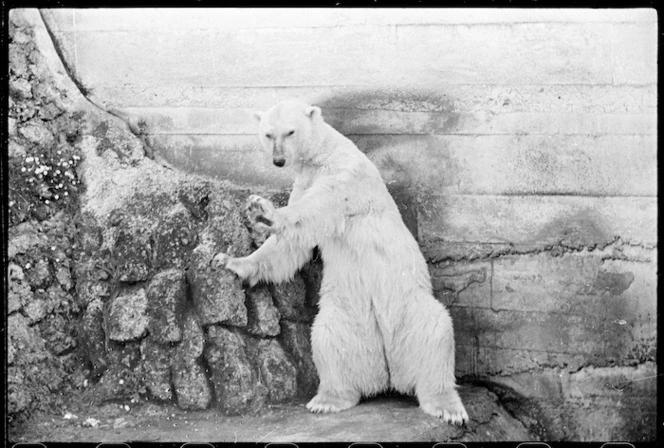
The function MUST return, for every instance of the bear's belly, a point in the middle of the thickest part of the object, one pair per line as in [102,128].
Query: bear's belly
[375,263]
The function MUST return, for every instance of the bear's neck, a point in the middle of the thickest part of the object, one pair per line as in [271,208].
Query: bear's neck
[325,143]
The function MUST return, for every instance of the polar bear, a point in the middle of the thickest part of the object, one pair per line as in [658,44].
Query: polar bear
[378,326]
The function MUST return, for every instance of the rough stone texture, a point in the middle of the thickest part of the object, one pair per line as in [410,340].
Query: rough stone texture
[93,337]
[290,299]
[124,378]
[296,340]
[166,297]
[276,371]
[132,248]
[235,378]
[19,292]
[263,315]
[588,388]
[156,360]
[175,237]
[391,419]
[192,386]
[127,318]
[218,294]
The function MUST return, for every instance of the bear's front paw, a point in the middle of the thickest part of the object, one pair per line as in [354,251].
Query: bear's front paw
[326,403]
[262,213]
[220,261]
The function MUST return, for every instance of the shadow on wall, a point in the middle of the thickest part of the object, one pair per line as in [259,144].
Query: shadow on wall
[394,129]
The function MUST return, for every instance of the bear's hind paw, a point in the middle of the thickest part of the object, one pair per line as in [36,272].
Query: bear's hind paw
[454,416]
[326,404]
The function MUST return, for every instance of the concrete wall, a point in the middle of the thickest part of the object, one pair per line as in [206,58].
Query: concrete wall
[521,146]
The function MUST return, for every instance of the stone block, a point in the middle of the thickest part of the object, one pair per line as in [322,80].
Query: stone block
[132,250]
[127,318]
[217,294]
[124,378]
[193,341]
[192,388]
[235,379]
[226,227]
[263,316]
[277,372]
[166,296]
[156,360]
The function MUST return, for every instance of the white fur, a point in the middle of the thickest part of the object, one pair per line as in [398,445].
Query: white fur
[379,326]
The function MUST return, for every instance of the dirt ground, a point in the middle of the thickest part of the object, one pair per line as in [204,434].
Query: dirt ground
[388,419]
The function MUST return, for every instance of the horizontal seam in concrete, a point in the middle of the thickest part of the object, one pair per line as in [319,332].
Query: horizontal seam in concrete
[371,87]
[411,134]
[401,111]
[370,26]
[539,313]
[522,349]
[534,351]
[557,194]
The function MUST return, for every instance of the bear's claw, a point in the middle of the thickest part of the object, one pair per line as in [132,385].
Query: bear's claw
[455,417]
[220,261]
[261,212]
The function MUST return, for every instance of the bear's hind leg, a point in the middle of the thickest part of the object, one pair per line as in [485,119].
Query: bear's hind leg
[430,356]
[349,357]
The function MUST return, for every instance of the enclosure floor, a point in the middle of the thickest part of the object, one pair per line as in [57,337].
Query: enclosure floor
[378,419]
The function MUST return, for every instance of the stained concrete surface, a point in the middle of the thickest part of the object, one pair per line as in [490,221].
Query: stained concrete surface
[386,418]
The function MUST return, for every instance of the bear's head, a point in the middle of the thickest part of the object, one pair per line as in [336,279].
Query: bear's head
[288,130]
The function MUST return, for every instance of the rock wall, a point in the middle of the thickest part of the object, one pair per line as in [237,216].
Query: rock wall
[111,294]
[520,147]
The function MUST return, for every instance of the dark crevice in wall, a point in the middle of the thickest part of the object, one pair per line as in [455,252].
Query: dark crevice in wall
[491,251]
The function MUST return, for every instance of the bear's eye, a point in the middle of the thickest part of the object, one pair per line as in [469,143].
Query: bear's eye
[290,133]
[268,135]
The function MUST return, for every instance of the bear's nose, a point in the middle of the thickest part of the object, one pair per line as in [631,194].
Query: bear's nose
[279,162]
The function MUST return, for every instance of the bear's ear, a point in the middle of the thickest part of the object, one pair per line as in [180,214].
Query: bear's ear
[312,112]
[258,116]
